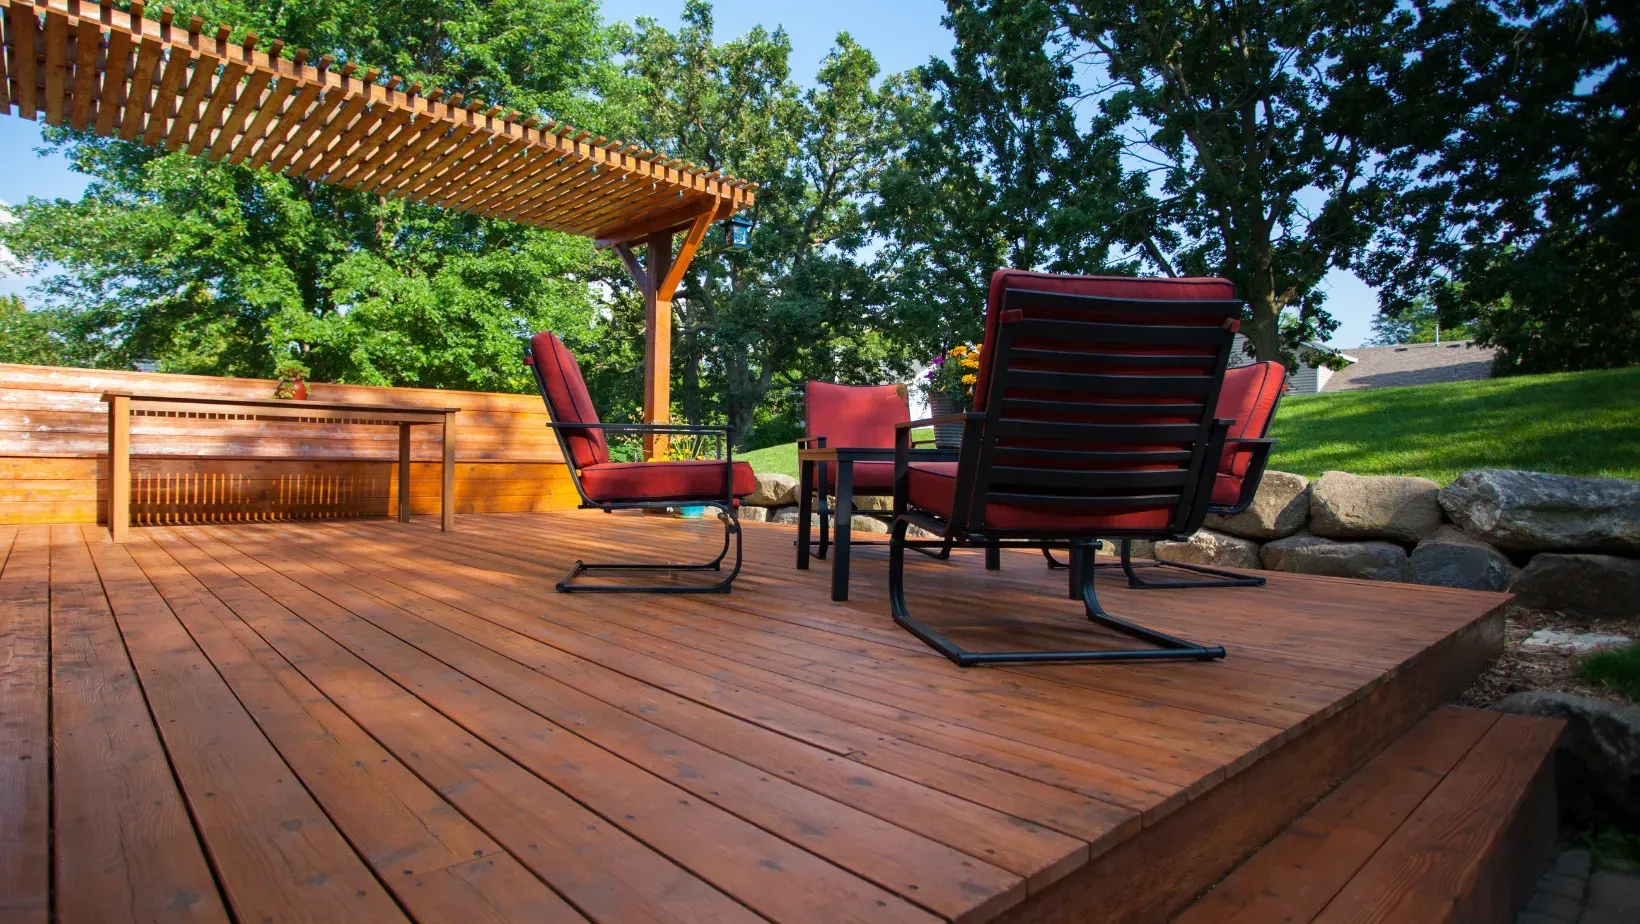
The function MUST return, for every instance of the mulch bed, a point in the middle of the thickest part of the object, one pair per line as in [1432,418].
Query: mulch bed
[1520,668]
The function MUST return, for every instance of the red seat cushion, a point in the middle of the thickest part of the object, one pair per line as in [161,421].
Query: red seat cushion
[691,480]
[568,399]
[932,486]
[869,478]
[1248,397]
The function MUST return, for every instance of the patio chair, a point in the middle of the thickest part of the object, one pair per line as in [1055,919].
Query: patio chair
[1094,416]
[1249,399]
[857,417]
[611,486]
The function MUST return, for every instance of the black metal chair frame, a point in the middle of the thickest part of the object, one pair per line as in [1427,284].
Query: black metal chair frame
[978,466]
[1260,447]
[728,510]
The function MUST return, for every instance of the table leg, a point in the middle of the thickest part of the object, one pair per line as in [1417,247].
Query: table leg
[119,467]
[404,473]
[840,531]
[447,504]
[993,558]
[805,509]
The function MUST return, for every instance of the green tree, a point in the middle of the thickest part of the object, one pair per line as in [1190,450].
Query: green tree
[800,303]
[1250,118]
[33,337]
[206,267]
[1419,323]
[1511,129]
[996,170]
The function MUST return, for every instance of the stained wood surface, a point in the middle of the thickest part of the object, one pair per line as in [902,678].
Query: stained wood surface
[186,87]
[369,720]
[54,443]
[1415,836]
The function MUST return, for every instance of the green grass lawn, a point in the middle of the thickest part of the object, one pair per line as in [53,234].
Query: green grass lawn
[1577,423]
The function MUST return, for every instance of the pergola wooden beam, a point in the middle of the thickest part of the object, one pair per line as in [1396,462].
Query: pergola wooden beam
[167,84]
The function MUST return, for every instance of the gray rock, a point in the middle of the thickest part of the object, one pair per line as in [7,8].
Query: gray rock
[1452,558]
[864,524]
[917,532]
[754,514]
[1142,548]
[1585,587]
[1532,512]
[773,490]
[788,515]
[1207,547]
[1307,554]
[883,502]
[1279,509]
[1597,767]
[1345,506]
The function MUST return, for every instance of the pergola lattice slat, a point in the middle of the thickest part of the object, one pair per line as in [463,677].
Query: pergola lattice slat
[165,84]
[168,84]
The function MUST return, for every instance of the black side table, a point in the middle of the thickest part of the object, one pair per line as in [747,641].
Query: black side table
[845,458]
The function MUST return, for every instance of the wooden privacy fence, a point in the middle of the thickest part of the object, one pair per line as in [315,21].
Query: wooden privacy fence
[54,444]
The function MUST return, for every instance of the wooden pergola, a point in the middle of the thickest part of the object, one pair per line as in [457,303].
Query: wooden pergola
[169,84]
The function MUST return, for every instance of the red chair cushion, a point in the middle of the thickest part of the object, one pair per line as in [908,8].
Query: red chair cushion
[1249,398]
[869,478]
[690,480]
[856,417]
[569,400]
[932,486]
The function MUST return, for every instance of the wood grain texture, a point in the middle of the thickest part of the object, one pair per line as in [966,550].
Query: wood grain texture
[486,749]
[25,720]
[122,833]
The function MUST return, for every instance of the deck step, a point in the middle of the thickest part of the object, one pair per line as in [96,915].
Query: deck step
[1451,822]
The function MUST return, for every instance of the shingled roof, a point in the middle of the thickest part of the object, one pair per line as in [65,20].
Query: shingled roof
[1412,364]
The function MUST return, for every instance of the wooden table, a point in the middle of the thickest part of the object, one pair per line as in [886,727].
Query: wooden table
[122,406]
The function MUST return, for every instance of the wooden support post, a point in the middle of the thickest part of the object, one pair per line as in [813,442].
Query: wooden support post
[447,496]
[657,345]
[119,467]
[404,473]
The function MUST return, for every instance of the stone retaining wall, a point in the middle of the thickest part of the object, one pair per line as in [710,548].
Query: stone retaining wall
[1569,545]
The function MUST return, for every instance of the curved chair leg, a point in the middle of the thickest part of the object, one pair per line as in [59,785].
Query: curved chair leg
[1220,578]
[1167,647]
[1054,564]
[731,532]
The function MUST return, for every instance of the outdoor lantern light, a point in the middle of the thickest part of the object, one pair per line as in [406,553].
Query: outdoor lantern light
[740,232]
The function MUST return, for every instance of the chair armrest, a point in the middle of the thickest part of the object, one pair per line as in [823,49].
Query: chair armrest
[1250,441]
[961,417]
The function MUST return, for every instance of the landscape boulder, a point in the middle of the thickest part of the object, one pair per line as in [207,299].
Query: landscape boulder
[754,514]
[864,524]
[1582,586]
[884,502]
[1307,554]
[1279,509]
[1597,767]
[787,515]
[1346,506]
[1532,511]
[773,490]
[1112,550]
[1206,547]
[1452,558]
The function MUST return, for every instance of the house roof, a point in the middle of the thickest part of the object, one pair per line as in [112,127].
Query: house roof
[1413,364]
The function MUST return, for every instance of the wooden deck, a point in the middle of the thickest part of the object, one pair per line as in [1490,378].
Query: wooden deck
[369,721]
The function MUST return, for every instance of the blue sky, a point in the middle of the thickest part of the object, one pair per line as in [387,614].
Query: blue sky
[901,33]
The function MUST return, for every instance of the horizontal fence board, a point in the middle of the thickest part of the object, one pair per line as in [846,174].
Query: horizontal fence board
[54,443]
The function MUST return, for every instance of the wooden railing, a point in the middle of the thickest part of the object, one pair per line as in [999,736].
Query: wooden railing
[54,444]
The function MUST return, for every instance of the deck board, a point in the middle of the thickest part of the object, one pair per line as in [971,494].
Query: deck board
[458,742]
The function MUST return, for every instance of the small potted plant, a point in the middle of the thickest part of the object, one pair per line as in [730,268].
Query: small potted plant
[949,387]
[292,377]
